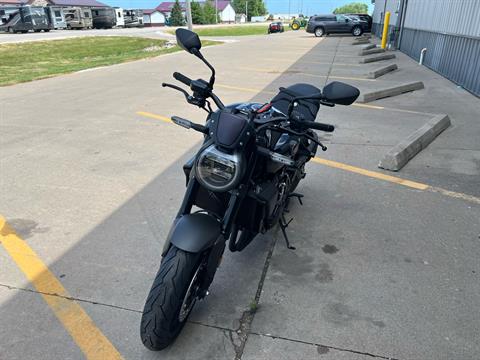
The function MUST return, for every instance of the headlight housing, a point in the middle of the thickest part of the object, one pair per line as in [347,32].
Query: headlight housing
[218,171]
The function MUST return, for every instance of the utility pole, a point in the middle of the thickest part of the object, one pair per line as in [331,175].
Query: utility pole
[216,11]
[246,9]
[188,11]
[289,13]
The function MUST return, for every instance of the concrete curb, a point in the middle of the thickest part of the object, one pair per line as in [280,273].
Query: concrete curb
[377,58]
[371,51]
[362,41]
[369,46]
[381,71]
[402,153]
[392,91]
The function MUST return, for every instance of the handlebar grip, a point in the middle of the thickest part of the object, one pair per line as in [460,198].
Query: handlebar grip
[322,127]
[182,78]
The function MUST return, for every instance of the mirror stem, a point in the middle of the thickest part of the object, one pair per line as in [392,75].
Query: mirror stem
[198,54]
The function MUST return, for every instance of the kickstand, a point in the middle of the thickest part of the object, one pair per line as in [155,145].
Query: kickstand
[283,225]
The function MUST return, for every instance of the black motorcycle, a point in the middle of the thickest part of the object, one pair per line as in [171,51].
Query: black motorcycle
[252,158]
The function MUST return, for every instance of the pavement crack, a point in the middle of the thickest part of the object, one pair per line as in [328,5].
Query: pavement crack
[327,346]
[71,298]
[239,337]
[327,77]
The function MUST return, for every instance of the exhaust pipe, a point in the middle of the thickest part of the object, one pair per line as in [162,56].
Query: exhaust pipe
[422,55]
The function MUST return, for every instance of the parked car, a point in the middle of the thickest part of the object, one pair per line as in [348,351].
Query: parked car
[104,18]
[275,27]
[335,24]
[364,17]
[23,19]
[78,18]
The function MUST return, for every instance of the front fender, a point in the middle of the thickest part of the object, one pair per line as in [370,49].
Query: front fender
[193,232]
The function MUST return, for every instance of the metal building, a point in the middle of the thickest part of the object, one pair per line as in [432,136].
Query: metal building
[448,29]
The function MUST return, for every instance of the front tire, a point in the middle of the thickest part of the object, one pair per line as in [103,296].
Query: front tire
[166,310]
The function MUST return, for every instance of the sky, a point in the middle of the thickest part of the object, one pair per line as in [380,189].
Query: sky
[307,7]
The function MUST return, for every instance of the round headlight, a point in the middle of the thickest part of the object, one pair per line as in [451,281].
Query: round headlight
[218,171]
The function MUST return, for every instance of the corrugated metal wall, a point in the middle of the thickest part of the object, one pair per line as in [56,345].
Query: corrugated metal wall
[460,17]
[449,29]
[455,57]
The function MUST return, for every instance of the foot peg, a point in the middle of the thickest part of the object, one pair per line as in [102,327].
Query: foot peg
[298,196]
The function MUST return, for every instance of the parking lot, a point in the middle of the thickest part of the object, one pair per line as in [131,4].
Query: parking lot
[386,264]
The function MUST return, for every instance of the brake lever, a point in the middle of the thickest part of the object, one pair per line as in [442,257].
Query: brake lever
[175,87]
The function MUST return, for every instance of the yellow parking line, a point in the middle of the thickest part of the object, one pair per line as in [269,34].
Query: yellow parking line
[369,106]
[87,336]
[245,89]
[364,172]
[154,116]
[372,174]
[375,107]
[295,72]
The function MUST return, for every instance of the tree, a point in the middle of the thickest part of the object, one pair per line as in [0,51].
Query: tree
[176,16]
[197,13]
[209,13]
[352,8]
[255,7]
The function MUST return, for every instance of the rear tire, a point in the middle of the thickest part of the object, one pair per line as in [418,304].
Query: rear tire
[319,31]
[162,320]
[357,31]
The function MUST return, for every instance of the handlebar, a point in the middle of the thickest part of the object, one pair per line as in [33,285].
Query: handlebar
[182,78]
[321,127]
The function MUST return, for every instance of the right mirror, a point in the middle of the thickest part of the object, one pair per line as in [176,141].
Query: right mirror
[340,93]
[188,40]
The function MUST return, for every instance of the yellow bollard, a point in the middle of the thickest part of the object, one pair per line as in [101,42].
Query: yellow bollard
[385,30]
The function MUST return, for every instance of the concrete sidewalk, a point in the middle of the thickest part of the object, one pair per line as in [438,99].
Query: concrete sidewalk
[381,270]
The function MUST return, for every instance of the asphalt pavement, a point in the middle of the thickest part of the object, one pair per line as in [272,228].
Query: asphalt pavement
[91,177]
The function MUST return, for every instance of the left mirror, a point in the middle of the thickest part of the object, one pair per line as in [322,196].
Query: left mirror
[188,40]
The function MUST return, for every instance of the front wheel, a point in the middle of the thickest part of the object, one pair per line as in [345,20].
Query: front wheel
[171,298]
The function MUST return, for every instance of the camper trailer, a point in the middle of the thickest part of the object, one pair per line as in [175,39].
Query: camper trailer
[57,17]
[133,18]
[23,19]
[119,19]
[78,18]
[103,18]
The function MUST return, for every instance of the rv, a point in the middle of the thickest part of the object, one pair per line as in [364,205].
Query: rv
[120,20]
[23,19]
[57,17]
[78,18]
[103,18]
[133,18]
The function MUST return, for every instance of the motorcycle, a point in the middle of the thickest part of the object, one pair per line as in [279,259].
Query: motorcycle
[242,178]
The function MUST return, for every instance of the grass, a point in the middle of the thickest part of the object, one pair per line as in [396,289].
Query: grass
[41,59]
[233,30]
